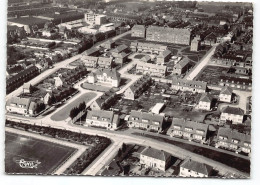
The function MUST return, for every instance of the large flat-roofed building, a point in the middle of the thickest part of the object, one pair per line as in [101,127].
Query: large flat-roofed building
[189,85]
[169,35]
[103,119]
[92,18]
[233,140]
[138,31]
[146,121]
[151,69]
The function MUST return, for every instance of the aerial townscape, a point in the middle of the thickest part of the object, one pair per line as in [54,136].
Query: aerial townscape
[154,88]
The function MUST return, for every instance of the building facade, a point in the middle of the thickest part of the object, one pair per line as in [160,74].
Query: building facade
[151,69]
[169,35]
[190,168]
[106,76]
[138,31]
[193,131]
[153,158]
[225,94]
[146,121]
[103,119]
[234,114]
[189,85]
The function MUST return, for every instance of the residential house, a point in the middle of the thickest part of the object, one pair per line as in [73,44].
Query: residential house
[59,81]
[153,158]
[103,101]
[234,114]
[91,52]
[181,67]
[225,94]
[138,31]
[90,61]
[146,121]
[190,130]
[205,102]
[104,62]
[138,87]
[45,97]
[147,47]
[236,83]
[119,49]
[102,118]
[189,85]
[20,78]
[27,88]
[210,39]
[107,76]
[24,106]
[120,58]
[190,168]
[151,69]
[164,56]
[109,44]
[233,140]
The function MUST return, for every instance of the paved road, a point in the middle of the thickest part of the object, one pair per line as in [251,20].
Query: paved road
[202,63]
[103,159]
[118,137]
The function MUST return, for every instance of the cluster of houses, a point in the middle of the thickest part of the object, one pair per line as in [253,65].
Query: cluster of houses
[99,117]
[161,160]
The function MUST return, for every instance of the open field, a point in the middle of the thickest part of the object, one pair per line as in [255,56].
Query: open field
[65,111]
[19,147]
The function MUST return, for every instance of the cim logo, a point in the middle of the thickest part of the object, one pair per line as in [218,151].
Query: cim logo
[28,164]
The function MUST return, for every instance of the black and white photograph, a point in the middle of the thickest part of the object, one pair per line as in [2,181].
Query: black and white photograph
[128,88]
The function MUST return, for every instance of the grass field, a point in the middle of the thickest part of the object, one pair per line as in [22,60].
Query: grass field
[65,111]
[19,147]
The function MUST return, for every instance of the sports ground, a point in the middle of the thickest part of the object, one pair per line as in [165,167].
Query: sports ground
[50,155]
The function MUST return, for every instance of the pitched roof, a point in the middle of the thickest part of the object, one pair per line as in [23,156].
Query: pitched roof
[16,101]
[233,110]
[189,83]
[33,106]
[151,118]
[189,124]
[233,134]
[149,66]
[226,90]
[138,27]
[156,154]
[26,86]
[91,51]
[140,82]
[120,48]
[164,54]
[182,64]
[110,73]
[103,114]
[205,97]
[197,167]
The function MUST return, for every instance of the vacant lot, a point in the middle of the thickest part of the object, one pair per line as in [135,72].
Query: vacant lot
[64,112]
[19,147]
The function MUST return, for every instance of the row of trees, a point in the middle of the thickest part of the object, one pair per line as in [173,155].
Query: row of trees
[76,110]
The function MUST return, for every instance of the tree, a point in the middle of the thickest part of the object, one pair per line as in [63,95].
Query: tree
[123,147]
[82,106]
[119,153]
[73,113]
